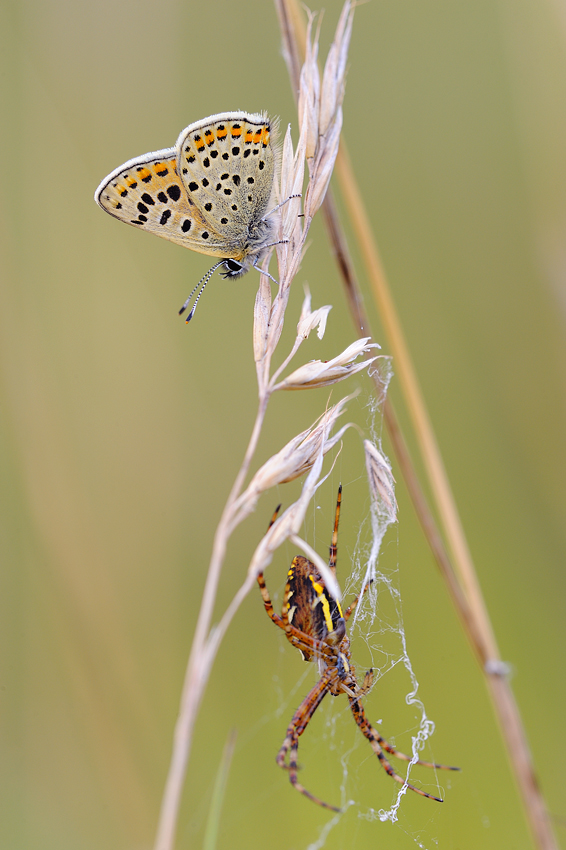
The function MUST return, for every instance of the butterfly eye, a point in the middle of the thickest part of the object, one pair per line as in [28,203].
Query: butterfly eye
[233,268]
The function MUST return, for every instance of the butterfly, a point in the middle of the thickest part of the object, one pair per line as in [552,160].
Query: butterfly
[212,192]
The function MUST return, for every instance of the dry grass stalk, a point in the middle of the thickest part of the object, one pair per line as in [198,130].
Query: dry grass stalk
[463,586]
[320,121]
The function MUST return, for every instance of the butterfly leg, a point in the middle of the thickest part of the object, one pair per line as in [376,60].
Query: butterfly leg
[282,204]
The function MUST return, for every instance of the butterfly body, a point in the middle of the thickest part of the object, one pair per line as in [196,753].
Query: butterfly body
[210,193]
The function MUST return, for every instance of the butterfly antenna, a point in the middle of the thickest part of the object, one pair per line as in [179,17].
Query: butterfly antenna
[204,280]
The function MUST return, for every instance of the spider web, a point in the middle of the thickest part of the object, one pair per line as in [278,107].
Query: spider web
[378,623]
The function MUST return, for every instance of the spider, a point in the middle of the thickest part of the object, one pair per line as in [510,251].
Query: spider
[314,623]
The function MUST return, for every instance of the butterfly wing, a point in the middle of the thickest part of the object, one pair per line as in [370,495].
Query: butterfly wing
[227,165]
[146,192]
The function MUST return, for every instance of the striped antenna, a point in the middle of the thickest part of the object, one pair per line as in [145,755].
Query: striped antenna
[204,280]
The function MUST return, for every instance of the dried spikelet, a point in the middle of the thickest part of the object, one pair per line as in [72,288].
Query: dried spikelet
[311,319]
[309,92]
[291,225]
[320,105]
[262,309]
[318,373]
[381,481]
[297,457]
[292,229]
[287,527]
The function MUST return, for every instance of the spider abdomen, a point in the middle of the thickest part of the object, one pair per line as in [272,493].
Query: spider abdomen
[308,606]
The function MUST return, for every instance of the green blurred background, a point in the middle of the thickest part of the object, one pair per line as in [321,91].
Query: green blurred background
[122,428]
